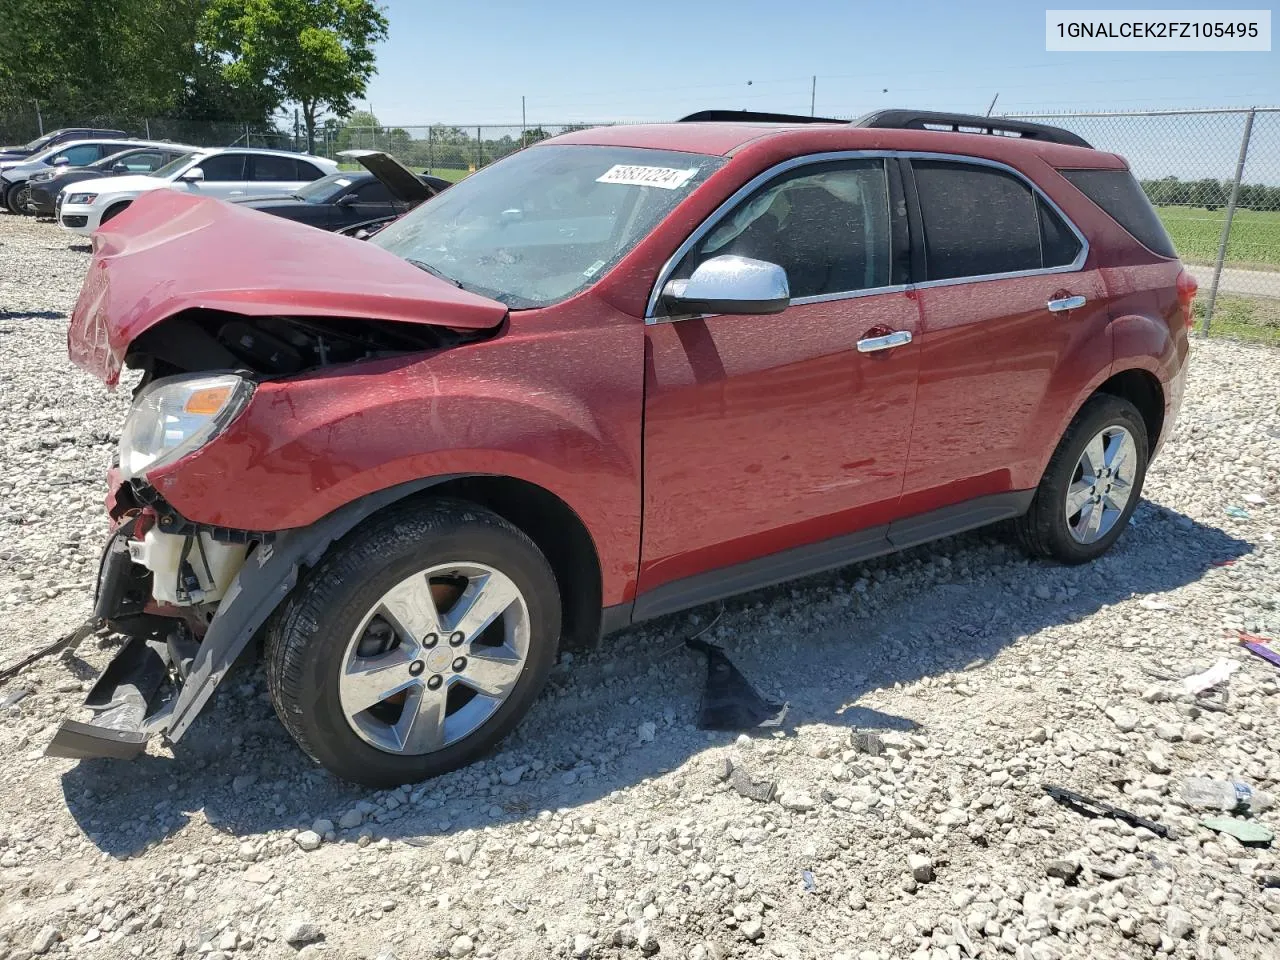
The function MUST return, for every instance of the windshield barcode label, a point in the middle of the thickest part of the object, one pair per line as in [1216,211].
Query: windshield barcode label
[668,178]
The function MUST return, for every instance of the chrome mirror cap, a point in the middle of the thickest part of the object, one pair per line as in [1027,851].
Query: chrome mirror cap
[730,284]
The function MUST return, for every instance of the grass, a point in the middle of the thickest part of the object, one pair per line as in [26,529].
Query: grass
[1254,243]
[1242,318]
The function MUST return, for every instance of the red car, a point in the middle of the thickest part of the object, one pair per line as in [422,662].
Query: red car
[620,373]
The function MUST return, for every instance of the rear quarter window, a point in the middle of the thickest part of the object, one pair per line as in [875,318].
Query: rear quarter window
[1120,195]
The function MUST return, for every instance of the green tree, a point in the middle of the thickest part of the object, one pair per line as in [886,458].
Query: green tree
[316,53]
[360,130]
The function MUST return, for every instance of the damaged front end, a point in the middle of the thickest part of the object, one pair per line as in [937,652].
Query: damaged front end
[212,304]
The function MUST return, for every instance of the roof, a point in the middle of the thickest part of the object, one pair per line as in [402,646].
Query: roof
[727,138]
[264,150]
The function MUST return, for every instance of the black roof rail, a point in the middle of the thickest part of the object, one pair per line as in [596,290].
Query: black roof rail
[751,116]
[969,123]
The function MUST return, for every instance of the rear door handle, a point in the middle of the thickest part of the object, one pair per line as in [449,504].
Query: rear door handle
[1066,303]
[898,338]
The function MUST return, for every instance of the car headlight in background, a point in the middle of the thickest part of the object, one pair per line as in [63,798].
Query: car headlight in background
[177,415]
[82,198]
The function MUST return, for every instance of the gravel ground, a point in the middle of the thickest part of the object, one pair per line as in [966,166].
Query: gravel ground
[606,826]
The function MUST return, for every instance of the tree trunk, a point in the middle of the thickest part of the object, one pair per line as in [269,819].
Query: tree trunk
[309,117]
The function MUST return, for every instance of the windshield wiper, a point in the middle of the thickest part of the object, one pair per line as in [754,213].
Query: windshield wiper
[435,273]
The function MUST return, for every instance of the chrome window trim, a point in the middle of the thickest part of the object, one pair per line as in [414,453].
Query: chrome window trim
[650,315]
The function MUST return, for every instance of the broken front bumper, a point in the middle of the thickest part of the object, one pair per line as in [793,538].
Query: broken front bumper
[162,678]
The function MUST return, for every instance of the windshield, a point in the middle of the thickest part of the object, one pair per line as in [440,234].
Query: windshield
[39,142]
[318,191]
[172,167]
[542,224]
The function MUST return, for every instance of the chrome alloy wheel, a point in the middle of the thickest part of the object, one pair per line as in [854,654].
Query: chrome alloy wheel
[1101,484]
[434,658]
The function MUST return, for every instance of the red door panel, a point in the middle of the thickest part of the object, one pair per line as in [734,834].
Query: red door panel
[769,432]
[999,373]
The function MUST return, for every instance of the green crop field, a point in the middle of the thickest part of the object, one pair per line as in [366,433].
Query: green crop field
[1255,235]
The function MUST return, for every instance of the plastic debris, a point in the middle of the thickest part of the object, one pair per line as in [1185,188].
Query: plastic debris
[1254,499]
[1238,513]
[66,645]
[1258,647]
[1096,808]
[810,884]
[1150,603]
[729,702]
[14,696]
[1249,833]
[762,791]
[1208,679]
[1222,563]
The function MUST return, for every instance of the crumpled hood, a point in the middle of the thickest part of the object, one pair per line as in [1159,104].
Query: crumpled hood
[172,251]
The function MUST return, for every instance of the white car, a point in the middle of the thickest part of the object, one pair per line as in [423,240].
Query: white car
[229,173]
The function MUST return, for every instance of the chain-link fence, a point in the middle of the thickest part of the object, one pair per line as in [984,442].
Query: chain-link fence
[1214,178]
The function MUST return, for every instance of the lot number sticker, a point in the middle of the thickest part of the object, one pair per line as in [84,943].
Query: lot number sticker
[667,178]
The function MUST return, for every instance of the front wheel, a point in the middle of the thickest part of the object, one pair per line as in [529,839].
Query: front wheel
[17,197]
[416,645]
[1092,485]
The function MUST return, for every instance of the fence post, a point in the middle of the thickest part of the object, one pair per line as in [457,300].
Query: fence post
[1226,223]
[431,152]
[479,150]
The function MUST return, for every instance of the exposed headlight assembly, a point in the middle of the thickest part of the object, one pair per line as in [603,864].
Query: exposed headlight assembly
[82,198]
[176,415]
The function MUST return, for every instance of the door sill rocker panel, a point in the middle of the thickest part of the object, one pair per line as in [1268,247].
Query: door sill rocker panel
[828,554]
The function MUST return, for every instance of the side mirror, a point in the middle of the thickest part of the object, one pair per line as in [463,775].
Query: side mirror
[119,167]
[194,175]
[61,160]
[347,199]
[730,284]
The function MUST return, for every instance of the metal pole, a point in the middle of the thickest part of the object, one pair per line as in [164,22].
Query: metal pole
[479,149]
[993,103]
[431,150]
[813,94]
[39,119]
[1226,224]
[146,123]
[524,124]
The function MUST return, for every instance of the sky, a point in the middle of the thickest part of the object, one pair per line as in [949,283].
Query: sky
[572,60]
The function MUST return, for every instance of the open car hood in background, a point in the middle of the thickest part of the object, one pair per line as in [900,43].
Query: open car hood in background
[395,176]
[172,251]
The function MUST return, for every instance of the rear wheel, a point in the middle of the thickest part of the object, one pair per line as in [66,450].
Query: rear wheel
[1092,485]
[416,645]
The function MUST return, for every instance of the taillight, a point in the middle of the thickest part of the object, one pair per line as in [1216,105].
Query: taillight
[1187,288]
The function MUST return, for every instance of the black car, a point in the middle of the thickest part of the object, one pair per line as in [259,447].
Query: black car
[43,188]
[55,137]
[345,199]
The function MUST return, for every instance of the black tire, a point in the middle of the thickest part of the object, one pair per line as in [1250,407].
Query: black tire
[307,640]
[1043,530]
[15,198]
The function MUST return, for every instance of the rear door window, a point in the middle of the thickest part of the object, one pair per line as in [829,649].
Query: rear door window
[375,191]
[827,225]
[266,167]
[1121,196]
[223,167]
[306,171]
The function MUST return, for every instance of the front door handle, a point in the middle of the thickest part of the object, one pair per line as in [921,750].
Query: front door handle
[1066,303]
[898,338]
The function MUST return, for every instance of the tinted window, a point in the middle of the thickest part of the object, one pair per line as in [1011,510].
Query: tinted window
[307,171]
[375,191]
[1058,245]
[1116,192]
[827,226]
[977,220]
[81,154]
[273,168]
[223,167]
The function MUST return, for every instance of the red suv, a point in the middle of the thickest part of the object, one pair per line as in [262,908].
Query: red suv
[617,374]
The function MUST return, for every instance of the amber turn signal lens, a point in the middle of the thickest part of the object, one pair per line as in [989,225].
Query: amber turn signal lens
[207,402]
